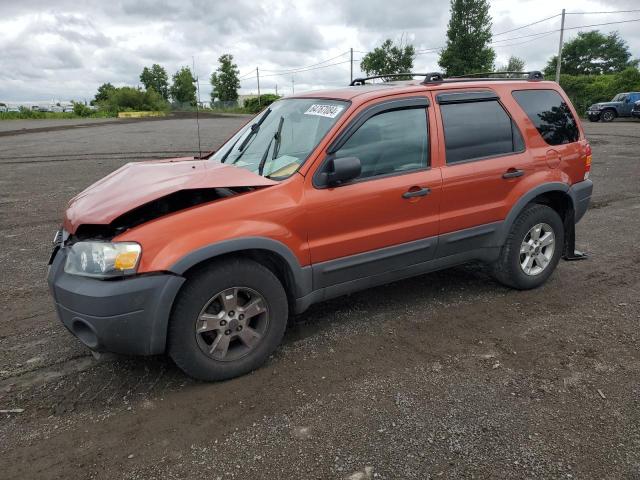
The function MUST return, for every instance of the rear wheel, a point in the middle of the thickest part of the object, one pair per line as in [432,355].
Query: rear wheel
[532,250]
[228,319]
[608,116]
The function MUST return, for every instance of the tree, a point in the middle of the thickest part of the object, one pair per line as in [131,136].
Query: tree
[129,98]
[156,78]
[103,93]
[468,47]
[388,58]
[183,89]
[515,64]
[225,80]
[592,53]
[253,105]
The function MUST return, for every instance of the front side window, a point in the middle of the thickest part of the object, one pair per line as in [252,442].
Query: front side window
[281,138]
[477,130]
[390,142]
[550,114]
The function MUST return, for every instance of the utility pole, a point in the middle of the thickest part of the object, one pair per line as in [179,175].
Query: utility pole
[293,87]
[560,49]
[351,76]
[258,77]
[276,89]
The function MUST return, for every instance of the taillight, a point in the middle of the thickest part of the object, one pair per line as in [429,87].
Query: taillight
[587,162]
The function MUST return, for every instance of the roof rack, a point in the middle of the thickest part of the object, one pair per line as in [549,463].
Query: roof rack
[361,81]
[437,77]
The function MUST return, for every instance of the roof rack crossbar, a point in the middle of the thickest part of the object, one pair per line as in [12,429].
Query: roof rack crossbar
[361,81]
[437,77]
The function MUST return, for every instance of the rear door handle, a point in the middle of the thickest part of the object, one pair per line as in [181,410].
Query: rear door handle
[513,173]
[416,193]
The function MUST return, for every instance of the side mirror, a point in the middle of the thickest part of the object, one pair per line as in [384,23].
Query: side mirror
[341,170]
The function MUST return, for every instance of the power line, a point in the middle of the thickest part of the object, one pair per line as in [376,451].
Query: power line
[527,25]
[307,70]
[571,28]
[287,70]
[602,13]
[526,41]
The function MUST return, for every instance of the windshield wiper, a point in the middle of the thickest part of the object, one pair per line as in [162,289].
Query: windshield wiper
[254,129]
[277,137]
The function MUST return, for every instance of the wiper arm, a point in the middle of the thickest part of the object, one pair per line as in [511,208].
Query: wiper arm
[276,147]
[254,129]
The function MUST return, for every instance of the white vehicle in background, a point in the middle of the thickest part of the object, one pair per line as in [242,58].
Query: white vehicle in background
[13,108]
[3,107]
[57,109]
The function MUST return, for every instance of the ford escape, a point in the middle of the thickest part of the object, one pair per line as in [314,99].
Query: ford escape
[320,195]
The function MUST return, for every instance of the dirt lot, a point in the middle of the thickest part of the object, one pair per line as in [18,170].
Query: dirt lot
[446,375]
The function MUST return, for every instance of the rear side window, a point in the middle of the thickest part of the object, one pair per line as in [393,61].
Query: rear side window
[478,130]
[550,114]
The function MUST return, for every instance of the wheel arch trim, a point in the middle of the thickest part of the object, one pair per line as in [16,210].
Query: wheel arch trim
[301,275]
[525,199]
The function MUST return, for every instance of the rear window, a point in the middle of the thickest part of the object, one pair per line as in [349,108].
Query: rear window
[478,130]
[550,114]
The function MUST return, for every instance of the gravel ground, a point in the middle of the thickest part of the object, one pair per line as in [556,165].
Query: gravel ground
[447,375]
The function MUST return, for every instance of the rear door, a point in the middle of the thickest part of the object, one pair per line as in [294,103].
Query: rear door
[388,217]
[485,160]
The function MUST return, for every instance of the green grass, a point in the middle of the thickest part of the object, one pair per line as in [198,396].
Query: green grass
[29,115]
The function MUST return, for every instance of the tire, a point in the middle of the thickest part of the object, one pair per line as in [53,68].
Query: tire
[608,116]
[200,307]
[510,268]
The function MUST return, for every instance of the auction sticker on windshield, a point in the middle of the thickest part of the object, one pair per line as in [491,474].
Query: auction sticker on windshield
[329,111]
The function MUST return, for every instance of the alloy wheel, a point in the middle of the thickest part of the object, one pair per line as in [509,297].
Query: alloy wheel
[232,323]
[536,249]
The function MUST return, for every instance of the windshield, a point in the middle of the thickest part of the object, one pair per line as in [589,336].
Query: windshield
[281,138]
[619,97]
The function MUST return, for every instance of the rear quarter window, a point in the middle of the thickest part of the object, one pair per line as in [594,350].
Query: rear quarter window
[550,114]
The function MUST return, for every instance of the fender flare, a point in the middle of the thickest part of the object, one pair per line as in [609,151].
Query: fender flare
[301,275]
[524,200]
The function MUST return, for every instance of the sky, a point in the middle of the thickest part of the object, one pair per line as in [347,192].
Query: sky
[64,49]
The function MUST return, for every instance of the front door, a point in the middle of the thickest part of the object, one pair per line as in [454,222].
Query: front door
[387,218]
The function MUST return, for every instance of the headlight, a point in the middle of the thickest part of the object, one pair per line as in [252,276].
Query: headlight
[103,259]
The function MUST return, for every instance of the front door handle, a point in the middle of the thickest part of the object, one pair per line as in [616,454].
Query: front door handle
[513,173]
[417,193]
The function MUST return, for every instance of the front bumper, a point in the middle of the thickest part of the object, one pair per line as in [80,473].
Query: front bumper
[581,195]
[127,316]
[635,113]
[593,113]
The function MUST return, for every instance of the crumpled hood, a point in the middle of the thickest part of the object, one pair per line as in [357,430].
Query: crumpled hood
[136,184]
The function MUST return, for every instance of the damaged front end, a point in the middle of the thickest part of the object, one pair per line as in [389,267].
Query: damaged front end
[172,203]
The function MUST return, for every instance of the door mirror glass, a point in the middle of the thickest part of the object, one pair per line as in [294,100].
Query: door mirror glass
[341,170]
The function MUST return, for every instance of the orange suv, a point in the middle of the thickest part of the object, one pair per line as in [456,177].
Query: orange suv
[320,195]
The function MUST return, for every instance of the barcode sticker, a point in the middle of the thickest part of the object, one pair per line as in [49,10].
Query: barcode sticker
[329,111]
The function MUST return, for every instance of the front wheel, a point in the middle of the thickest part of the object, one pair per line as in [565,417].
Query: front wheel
[532,250]
[229,317]
[608,116]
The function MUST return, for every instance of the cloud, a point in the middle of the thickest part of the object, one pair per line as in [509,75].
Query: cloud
[66,49]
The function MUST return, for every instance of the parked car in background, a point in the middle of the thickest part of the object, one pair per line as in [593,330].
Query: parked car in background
[635,113]
[620,106]
[13,108]
[57,109]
